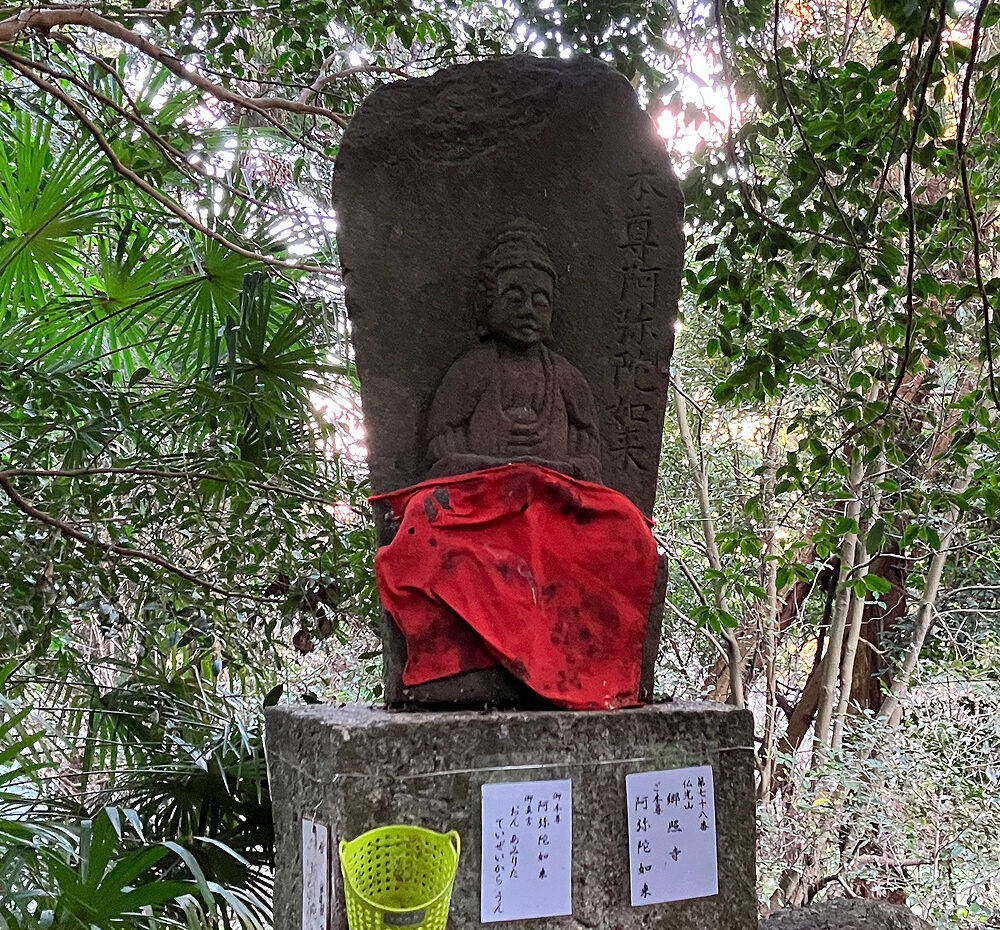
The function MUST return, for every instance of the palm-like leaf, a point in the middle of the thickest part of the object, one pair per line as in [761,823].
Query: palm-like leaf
[113,320]
[266,364]
[96,281]
[49,200]
[103,874]
[84,280]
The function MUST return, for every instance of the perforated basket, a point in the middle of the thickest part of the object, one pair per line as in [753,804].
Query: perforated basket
[399,876]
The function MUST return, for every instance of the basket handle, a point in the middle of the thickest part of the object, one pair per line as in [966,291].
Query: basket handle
[456,841]
[342,848]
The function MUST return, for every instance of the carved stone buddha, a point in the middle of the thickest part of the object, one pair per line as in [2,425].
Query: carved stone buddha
[473,406]
[511,398]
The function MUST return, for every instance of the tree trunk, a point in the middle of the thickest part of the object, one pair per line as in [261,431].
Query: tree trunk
[831,671]
[925,611]
[711,546]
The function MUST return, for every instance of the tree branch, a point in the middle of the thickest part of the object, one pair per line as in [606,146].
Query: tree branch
[911,225]
[746,196]
[159,473]
[803,138]
[961,150]
[127,173]
[134,116]
[714,558]
[323,79]
[925,611]
[71,532]
[42,19]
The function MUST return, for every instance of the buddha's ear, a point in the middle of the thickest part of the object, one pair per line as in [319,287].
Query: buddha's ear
[481,301]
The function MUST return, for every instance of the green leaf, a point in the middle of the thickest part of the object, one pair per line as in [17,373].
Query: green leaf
[876,536]
[274,695]
[877,584]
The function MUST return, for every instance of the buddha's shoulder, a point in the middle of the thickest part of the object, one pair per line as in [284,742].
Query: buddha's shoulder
[565,369]
[472,366]
[475,358]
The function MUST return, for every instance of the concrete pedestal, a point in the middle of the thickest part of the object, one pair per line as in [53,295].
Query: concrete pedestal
[357,767]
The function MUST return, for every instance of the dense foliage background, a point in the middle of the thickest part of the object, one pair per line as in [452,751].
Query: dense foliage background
[183,530]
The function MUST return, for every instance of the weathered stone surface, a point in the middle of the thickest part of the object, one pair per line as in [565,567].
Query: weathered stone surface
[429,173]
[355,767]
[432,169]
[845,914]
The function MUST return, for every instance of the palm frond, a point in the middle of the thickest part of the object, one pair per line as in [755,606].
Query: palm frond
[50,205]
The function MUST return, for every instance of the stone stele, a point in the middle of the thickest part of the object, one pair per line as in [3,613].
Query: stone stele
[430,171]
[354,768]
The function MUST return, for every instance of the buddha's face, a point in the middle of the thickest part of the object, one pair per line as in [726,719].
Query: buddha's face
[521,312]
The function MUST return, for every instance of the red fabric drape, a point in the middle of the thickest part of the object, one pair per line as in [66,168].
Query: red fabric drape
[548,576]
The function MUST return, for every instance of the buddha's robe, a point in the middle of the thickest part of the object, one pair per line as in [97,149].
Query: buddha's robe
[498,405]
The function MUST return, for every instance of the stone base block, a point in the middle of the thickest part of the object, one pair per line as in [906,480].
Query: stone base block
[356,767]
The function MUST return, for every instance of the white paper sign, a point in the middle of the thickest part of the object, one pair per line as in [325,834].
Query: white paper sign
[527,850]
[671,834]
[315,875]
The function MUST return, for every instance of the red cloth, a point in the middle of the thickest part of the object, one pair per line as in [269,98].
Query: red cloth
[520,566]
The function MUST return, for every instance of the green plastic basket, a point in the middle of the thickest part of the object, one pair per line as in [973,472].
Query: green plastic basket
[399,876]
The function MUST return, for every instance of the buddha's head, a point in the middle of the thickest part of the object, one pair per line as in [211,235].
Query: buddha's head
[515,289]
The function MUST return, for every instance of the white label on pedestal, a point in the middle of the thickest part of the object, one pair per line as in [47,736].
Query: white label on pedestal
[671,833]
[315,875]
[527,850]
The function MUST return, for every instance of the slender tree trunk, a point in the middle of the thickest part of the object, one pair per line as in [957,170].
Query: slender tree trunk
[925,611]
[838,624]
[857,617]
[711,546]
[769,617]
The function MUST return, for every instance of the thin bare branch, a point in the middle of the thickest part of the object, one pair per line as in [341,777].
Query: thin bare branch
[41,19]
[714,558]
[71,532]
[116,163]
[162,473]
[961,149]
[324,78]
[911,225]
